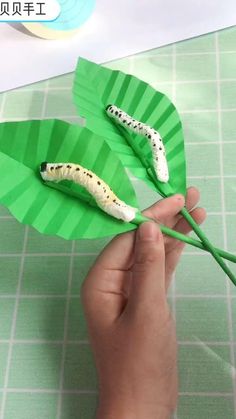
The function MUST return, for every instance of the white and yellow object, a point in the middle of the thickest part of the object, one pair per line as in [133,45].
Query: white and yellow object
[101,192]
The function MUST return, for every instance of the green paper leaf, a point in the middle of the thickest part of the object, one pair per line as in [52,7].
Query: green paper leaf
[95,87]
[24,145]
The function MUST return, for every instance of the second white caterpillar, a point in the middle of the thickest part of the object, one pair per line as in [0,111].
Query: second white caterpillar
[154,139]
[102,193]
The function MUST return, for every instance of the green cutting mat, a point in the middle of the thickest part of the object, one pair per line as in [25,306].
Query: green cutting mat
[46,368]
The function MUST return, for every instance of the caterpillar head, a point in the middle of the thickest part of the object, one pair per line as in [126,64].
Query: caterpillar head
[109,107]
[45,171]
[112,110]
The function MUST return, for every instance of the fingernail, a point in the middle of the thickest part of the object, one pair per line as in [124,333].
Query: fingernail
[148,231]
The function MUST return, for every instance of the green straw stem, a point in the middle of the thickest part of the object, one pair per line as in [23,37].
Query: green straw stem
[208,244]
[139,219]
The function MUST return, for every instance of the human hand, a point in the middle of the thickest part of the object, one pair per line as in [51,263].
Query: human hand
[129,322]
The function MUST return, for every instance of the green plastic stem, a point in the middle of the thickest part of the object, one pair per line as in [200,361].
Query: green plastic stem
[207,244]
[139,219]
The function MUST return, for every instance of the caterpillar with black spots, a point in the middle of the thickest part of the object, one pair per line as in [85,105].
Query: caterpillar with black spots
[158,149]
[101,191]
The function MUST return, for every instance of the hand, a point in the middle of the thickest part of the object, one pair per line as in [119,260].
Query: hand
[129,322]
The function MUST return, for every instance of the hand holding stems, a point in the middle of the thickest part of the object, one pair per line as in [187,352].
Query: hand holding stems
[130,325]
[140,218]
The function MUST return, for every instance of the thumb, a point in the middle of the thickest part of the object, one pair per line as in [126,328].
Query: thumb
[148,279]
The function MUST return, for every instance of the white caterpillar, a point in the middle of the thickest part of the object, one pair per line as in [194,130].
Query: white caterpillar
[102,193]
[154,138]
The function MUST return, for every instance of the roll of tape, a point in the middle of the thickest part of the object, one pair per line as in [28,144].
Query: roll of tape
[73,14]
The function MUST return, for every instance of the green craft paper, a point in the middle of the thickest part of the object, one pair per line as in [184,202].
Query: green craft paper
[24,145]
[95,87]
